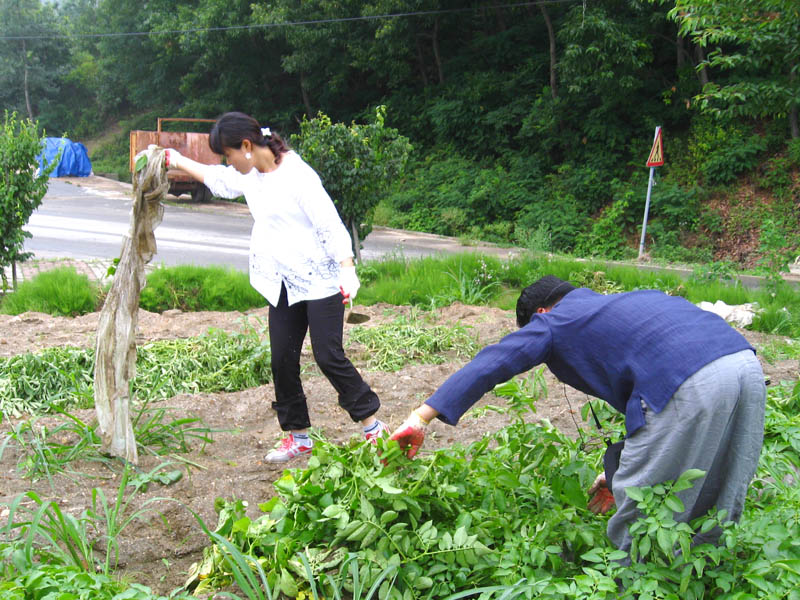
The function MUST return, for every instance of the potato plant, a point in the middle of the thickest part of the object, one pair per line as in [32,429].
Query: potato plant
[506,517]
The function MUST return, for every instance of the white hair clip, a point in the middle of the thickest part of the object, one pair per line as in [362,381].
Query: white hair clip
[265,131]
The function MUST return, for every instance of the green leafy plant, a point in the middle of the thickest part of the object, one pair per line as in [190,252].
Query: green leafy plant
[47,450]
[22,186]
[355,164]
[776,253]
[48,553]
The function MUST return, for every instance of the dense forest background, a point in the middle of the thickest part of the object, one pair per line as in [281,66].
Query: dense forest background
[531,122]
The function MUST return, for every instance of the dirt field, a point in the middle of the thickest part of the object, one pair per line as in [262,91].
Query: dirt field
[158,551]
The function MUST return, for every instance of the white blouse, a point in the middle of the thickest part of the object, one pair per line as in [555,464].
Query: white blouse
[298,238]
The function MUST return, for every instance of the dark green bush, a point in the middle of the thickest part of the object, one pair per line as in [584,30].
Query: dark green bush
[738,155]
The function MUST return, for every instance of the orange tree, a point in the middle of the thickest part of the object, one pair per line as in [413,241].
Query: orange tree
[357,165]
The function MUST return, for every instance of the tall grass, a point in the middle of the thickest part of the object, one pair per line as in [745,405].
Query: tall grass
[62,292]
[473,278]
[194,288]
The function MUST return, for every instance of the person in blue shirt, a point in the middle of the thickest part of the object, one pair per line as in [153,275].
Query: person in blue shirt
[690,387]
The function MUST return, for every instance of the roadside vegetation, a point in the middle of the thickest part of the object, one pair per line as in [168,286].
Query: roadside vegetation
[470,278]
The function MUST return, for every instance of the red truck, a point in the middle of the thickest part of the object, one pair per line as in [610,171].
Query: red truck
[190,144]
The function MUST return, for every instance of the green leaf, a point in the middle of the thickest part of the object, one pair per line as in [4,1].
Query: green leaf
[388,516]
[592,556]
[460,537]
[386,487]
[333,511]
[674,503]
[287,583]
[634,493]
[141,163]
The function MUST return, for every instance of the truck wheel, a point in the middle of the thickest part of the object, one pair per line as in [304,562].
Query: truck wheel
[201,193]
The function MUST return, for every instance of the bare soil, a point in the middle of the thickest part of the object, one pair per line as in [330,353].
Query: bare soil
[158,550]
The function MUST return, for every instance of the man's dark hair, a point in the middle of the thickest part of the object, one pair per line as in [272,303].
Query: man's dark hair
[543,293]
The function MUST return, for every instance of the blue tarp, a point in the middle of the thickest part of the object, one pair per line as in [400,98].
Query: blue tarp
[74,159]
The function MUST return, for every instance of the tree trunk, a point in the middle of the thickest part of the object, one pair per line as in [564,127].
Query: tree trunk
[551,36]
[500,17]
[356,241]
[13,275]
[794,126]
[421,62]
[25,80]
[702,72]
[306,100]
[438,58]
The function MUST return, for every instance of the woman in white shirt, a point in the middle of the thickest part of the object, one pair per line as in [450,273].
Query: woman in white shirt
[301,260]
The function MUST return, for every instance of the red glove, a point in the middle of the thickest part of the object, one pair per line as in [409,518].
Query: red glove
[411,434]
[602,500]
[171,157]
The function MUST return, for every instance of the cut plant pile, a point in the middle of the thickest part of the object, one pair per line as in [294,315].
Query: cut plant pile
[159,549]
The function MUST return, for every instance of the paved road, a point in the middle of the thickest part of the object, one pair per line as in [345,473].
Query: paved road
[88,223]
[82,221]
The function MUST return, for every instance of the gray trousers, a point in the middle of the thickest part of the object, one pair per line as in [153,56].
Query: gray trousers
[713,422]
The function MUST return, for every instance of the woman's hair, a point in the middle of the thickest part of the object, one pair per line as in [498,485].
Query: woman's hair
[543,293]
[232,128]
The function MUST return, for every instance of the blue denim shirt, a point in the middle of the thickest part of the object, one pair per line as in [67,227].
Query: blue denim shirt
[627,349]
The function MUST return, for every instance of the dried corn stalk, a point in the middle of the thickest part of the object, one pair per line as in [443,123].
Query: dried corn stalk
[115,357]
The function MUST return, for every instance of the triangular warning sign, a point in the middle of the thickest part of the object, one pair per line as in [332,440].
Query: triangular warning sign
[656,158]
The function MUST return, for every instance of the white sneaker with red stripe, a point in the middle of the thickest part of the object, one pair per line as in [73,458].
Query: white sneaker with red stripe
[380,430]
[288,449]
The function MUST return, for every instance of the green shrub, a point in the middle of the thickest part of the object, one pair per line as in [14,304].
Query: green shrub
[670,246]
[193,288]
[720,151]
[448,194]
[676,207]
[607,236]
[61,292]
[793,149]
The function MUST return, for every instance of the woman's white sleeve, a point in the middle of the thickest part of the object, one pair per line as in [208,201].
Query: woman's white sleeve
[223,181]
[325,219]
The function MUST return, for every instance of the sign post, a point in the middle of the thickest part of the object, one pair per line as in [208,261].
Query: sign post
[656,159]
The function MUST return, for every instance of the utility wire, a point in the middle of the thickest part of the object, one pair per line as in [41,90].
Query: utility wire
[421,13]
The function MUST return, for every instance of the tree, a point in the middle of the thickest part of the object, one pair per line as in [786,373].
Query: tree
[33,60]
[758,42]
[21,188]
[356,165]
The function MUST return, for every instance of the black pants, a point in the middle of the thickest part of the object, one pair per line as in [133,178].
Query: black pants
[324,318]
